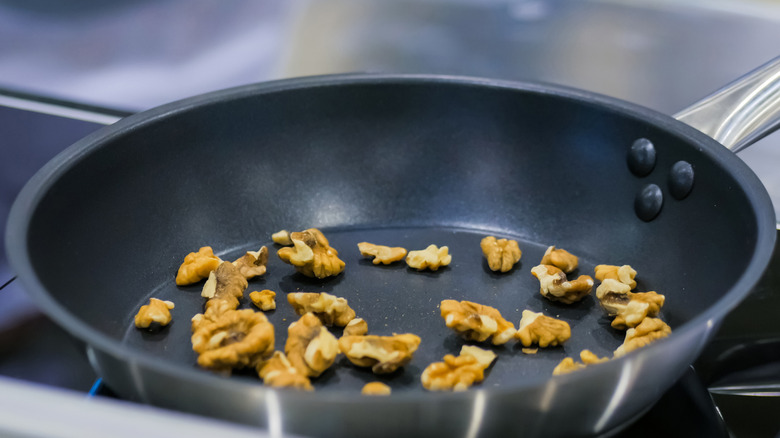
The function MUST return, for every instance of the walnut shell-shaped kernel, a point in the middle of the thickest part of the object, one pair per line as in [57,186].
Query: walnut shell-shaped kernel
[501,254]
[278,372]
[542,330]
[648,331]
[477,322]
[431,258]
[381,253]
[624,274]
[197,266]
[561,259]
[384,354]
[157,311]
[458,373]
[310,347]
[265,299]
[237,339]
[253,263]
[312,255]
[330,309]
[554,285]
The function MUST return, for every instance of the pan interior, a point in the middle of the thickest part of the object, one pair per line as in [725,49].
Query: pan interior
[401,162]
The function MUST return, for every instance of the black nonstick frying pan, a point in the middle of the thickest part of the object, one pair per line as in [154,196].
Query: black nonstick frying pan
[402,160]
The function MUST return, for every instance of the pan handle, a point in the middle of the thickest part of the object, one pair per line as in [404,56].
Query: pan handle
[742,112]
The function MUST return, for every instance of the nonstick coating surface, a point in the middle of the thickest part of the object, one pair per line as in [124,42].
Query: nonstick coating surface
[403,161]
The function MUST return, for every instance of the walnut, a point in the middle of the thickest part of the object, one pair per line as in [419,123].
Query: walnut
[282,238]
[278,372]
[648,331]
[236,339]
[556,287]
[312,255]
[477,322]
[501,254]
[265,299]
[624,274]
[375,388]
[356,327]
[542,330]
[628,308]
[223,288]
[384,354]
[157,311]
[310,347]
[252,264]
[382,254]
[568,364]
[458,373]
[561,259]
[431,258]
[197,266]
[331,310]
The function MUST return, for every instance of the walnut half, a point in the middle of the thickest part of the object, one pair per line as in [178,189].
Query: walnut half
[330,309]
[431,258]
[310,347]
[477,322]
[624,274]
[384,354]
[157,311]
[648,331]
[312,255]
[554,285]
[628,308]
[458,373]
[561,259]
[278,372]
[542,330]
[236,339]
[501,254]
[381,253]
[197,266]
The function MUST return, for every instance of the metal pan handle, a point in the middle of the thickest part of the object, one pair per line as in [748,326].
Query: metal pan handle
[742,112]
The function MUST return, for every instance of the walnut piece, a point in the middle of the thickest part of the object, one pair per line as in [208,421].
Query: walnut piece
[330,309]
[310,347]
[312,255]
[265,299]
[542,330]
[501,254]
[223,288]
[278,372]
[282,238]
[157,311]
[375,388]
[197,266]
[648,331]
[568,364]
[384,354]
[431,258]
[236,339]
[628,308]
[356,327]
[554,285]
[624,274]
[561,259]
[458,373]
[477,322]
[253,263]
[381,253]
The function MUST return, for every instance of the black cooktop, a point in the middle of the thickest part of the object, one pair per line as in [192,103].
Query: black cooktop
[710,400]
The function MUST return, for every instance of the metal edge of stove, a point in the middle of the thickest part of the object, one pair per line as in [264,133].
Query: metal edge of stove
[57,107]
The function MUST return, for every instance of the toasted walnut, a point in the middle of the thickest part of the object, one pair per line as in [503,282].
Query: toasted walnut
[265,299]
[252,264]
[382,254]
[278,372]
[554,285]
[331,310]
[157,311]
[431,258]
[568,364]
[237,339]
[223,288]
[501,254]
[375,388]
[542,330]
[648,331]
[384,354]
[312,255]
[624,274]
[356,327]
[282,238]
[458,373]
[561,259]
[628,308]
[310,347]
[477,322]
[197,266]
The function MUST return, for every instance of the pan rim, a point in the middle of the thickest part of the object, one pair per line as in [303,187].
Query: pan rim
[26,203]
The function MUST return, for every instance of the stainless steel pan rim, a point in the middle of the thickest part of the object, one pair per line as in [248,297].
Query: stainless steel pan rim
[30,197]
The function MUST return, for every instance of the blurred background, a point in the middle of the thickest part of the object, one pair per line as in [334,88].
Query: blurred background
[92,61]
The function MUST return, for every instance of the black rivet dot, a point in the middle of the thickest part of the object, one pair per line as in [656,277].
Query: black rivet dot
[681,179]
[648,202]
[641,157]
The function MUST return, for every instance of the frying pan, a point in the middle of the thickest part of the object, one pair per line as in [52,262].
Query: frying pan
[402,160]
